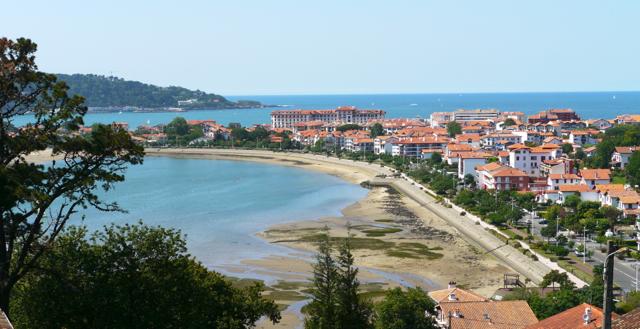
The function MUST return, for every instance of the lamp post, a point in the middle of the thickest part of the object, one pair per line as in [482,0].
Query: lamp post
[584,245]
[607,276]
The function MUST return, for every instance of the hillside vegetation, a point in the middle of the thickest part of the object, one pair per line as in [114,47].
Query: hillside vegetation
[103,91]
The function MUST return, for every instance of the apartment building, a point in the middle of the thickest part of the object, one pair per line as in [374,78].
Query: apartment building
[341,115]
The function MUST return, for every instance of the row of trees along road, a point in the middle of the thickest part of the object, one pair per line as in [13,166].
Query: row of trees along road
[132,277]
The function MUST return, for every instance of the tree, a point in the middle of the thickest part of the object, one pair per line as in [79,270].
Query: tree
[553,277]
[376,130]
[36,201]
[132,276]
[177,127]
[604,150]
[436,158]
[632,169]
[567,148]
[348,126]
[405,310]
[469,180]
[612,214]
[322,310]
[509,122]
[453,129]
[353,311]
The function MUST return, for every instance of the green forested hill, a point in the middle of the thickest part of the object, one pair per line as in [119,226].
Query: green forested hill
[103,91]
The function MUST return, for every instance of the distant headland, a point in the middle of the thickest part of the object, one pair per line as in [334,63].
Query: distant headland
[113,94]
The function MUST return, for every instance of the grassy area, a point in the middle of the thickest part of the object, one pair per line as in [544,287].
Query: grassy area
[619,180]
[399,250]
[381,231]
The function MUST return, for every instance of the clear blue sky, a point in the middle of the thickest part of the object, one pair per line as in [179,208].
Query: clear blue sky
[250,47]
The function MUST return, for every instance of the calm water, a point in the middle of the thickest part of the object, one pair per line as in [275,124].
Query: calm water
[220,205]
[588,105]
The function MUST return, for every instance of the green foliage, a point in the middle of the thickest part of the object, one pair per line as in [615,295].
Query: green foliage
[436,158]
[103,91]
[376,130]
[349,126]
[632,169]
[180,133]
[132,276]
[567,148]
[335,297]
[631,302]
[35,200]
[509,122]
[555,277]
[405,310]
[453,129]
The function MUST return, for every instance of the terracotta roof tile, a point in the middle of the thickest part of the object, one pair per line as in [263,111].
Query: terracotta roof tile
[630,320]
[490,314]
[572,318]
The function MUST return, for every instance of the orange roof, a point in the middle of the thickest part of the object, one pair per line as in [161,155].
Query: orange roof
[517,147]
[574,188]
[473,155]
[630,320]
[461,295]
[604,188]
[510,172]
[514,314]
[490,166]
[595,173]
[503,153]
[627,149]
[573,318]
[460,147]
[564,176]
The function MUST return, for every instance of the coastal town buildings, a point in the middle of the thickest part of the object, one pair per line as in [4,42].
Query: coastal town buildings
[553,115]
[622,154]
[342,115]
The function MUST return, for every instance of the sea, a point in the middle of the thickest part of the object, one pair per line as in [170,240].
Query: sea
[219,205]
[589,105]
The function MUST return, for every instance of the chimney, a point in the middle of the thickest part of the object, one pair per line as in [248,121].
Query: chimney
[586,317]
[457,313]
[451,285]
[452,296]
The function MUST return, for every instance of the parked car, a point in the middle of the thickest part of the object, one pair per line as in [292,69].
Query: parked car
[542,221]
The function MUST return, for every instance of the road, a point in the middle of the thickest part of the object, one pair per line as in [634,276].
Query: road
[624,272]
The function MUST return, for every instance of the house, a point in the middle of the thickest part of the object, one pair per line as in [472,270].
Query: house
[591,177]
[583,137]
[589,151]
[581,190]
[428,153]
[514,314]
[530,159]
[495,139]
[469,160]
[557,166]
[583,316]
[495,176]
[622,154]
[555,180]
[599,124]
[629,320]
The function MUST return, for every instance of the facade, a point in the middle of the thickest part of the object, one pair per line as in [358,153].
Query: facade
[341,115]
[469,161]
[622,154]
[475,115]
[530,159]
[553,115]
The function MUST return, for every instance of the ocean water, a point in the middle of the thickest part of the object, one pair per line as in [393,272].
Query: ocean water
[219,205]
[588,105]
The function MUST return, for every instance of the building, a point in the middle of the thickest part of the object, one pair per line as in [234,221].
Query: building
[553,115]
[583,137]
[622,154]
[583,316]
[439,119]
[530,159]
[461,309]
[475,115]
[495,176]
[468,161]
[593,177]
[341,115]
[629,320]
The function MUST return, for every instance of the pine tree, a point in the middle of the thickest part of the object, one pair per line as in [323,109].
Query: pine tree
[322,310]
[353,312]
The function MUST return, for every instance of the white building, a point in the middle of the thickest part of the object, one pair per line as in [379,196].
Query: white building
[341,115]
[622,154]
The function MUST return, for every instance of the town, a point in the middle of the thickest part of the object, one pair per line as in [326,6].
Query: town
[562,184]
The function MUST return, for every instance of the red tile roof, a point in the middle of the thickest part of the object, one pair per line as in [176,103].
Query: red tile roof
[630,320]
[514,314]
[572,318]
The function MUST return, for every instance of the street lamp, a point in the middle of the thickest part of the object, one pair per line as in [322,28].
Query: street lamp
[604,273]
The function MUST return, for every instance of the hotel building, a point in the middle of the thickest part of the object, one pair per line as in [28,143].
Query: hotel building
[341,115]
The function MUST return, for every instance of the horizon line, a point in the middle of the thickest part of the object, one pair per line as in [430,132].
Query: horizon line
[435,93]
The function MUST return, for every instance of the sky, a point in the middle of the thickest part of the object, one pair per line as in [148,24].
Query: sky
[261,47]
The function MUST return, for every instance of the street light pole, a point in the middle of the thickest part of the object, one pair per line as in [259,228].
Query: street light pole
[608,283]
[584,244]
